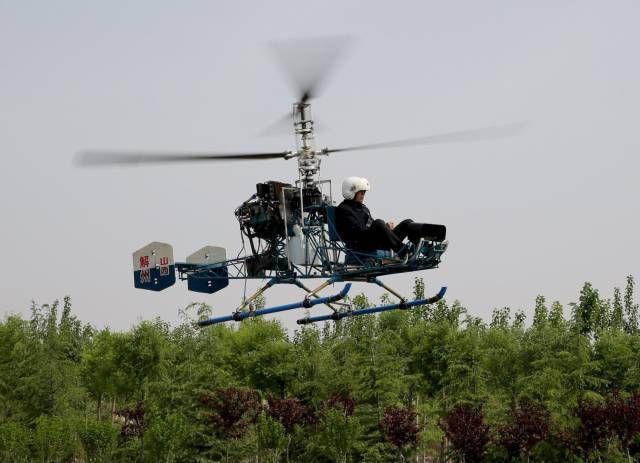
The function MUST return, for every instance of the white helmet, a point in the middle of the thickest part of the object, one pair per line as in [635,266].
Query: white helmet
[352,185]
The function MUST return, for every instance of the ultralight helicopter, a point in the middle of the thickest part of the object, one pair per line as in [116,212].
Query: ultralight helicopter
[290,227]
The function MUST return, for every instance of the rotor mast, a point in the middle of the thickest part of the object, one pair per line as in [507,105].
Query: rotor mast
[308,162]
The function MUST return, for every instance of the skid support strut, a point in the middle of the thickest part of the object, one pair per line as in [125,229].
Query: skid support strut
[391,290]
[247,302]
[239,316]
[384,308]
[314,293]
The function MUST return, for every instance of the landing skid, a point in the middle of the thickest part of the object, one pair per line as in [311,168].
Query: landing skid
[306,302]
[353,313]
[241,313]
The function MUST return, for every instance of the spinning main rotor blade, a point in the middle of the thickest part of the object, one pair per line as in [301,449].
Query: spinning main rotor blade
[308,62]
[284,126]
[109,158]
[486,133]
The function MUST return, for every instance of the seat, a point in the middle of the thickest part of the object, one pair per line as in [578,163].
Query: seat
[351,257]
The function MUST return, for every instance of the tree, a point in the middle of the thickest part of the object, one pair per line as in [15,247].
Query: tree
[465,427]
[400,427]
[540,313]
[17,361]
[98,369]
[231,412]
[518,319]
[617,312]
[632,322]
[289,413]
[501,361]
[272,437]
[587,311]
[465,377]
[262,356]
[133,421]
[190,394]
[501,318]
[623,414]
[337,434]
[529,424]
[98,440]
[614,358]
[54,438]
[144,353]
[593,429]
[169,434]
[556,315]
[15,439]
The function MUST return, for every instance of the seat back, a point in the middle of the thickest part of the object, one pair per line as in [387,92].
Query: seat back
[351,257]
[331,223]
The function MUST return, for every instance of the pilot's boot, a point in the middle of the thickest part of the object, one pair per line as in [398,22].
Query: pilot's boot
[428,231]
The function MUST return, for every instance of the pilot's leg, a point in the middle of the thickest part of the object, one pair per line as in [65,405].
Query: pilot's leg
[380,236]
[414,231]
[431,231]
[402,230]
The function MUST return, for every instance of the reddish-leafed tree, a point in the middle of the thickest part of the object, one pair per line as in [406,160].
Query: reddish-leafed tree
[133,420]
[530,423]
[465,428]
[288,412]
[623,414]
[341,401]
[231,410]
[594,427]
[399,427]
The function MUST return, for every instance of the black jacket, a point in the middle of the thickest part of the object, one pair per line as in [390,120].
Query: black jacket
[352,221]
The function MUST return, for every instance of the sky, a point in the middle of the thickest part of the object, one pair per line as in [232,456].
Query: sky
[538,213]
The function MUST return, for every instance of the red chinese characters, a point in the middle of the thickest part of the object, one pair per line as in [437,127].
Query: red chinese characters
[164,266]
[144,262]
[145,276]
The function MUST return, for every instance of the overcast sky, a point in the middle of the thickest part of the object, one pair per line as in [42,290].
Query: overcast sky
[539,213]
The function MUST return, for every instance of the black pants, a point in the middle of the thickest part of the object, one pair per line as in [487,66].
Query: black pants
[380,236]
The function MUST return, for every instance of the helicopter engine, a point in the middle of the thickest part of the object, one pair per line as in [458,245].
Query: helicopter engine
[260,216]
[263,217]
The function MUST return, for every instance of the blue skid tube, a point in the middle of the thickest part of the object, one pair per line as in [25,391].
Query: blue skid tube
[239,316]
[384,308]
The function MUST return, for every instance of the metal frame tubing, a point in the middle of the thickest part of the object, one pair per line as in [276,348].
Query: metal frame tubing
[306,302]
[384,308]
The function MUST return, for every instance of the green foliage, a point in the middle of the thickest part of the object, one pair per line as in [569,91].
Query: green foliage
[167,436]
[98,440]
[336,436]
[262,356]
[65,387]
[99,370]
[55,439]
[632,321]
[15,440]
[272,438]
[540,312]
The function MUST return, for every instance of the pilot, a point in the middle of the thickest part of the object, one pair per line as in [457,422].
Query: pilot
[361,232]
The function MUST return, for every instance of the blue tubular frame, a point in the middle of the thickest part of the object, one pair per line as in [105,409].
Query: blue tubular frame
[384,308]
[328,258]
[306,302]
